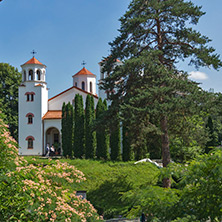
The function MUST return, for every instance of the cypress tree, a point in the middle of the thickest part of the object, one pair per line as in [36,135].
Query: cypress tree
[90,134]
[64,130]
[99,131]
[67,129]
[154,36]
[115,143]
[102,134]
[212,142]
[79,128]
[69,125]
[106,137]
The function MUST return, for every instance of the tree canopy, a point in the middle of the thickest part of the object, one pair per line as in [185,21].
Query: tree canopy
[10,79]
[149,90]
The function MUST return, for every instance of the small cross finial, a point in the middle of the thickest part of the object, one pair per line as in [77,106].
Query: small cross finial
[83,63]
[33,52]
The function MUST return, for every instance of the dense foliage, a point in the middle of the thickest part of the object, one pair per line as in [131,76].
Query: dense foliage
[127,153]
[10,79]
[31,192]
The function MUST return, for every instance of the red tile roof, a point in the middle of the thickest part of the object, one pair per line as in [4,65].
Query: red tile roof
[84,71]
[33,60]
[53,114]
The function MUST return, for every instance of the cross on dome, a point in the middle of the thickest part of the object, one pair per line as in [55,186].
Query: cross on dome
[83,63]
[33,52]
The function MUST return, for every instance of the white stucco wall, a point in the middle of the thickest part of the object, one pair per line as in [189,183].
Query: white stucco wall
[38,108]
[87,79]
[57,102]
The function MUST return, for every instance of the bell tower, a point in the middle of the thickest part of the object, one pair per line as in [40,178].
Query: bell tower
[33,104]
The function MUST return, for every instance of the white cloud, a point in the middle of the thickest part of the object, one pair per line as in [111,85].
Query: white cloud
[198,75]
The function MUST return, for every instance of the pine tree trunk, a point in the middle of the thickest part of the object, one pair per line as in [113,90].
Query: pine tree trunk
[165,149]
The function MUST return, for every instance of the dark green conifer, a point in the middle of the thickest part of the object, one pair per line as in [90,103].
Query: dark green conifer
[64,131]
[102,134]
[79,128]
[67,129]
[106,137]
[99,131]
[213,141]
[90,133]
[115,140]
[69,125]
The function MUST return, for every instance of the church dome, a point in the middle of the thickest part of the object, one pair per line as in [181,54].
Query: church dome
[83,71]
[33,60]
[85,80]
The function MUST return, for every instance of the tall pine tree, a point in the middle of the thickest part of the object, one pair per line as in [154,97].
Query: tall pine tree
[79,128]
[90,133]
[154,36]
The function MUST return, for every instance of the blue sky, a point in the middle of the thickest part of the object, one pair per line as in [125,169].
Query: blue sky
[64,33]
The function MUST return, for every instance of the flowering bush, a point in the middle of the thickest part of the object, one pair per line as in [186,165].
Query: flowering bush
[35,192]
[8,149]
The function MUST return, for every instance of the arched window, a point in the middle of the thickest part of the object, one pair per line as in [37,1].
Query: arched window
[76,84]
[38,74]
[30,118]
[83,85]
[90,87]
[24,76]
[30,121]
[31,74]
[30,140]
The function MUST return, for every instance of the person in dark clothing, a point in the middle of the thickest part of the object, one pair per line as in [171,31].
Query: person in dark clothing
[142,217]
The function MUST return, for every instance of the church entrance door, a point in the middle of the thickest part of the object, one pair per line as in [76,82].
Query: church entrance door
[53,138]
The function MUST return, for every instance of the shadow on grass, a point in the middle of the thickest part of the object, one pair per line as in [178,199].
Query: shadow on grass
[107,197]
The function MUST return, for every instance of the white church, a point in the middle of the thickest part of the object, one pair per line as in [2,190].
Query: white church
[39,116]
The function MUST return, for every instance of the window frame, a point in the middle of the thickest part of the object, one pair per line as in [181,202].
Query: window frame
[30,117]
[30,142]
